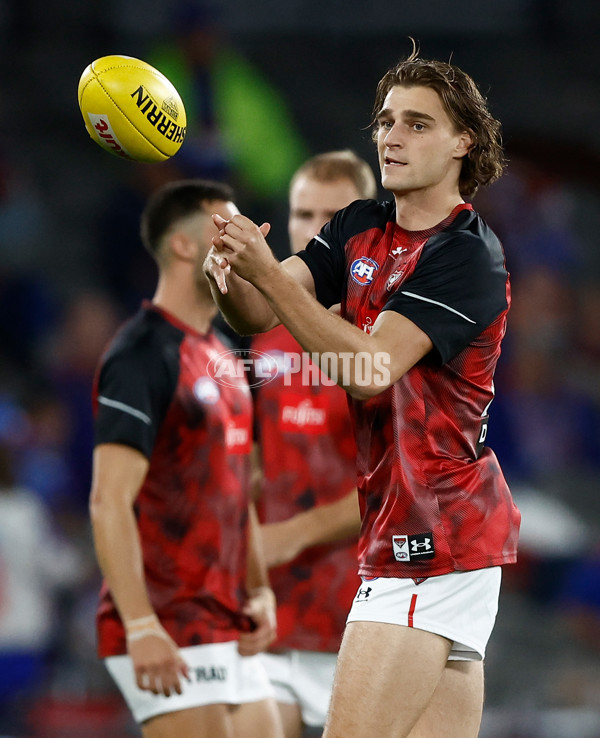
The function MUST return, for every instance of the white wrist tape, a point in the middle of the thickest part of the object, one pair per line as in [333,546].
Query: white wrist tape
[139,628]
[138,623]
[137,635]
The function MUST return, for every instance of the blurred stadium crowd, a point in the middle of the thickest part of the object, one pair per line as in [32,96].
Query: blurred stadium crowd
[72,267]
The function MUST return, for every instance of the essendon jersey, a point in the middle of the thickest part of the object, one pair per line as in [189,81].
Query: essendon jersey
[154,392]
[308,458]
[433,496]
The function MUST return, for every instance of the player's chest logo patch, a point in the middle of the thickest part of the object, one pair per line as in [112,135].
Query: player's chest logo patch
[393,279]
[362,270]
[206,391]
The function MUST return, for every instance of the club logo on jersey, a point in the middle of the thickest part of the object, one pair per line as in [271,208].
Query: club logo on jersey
[400,548]
[398,251]
[393,278]
[413,548]
[363,270]
[206,391]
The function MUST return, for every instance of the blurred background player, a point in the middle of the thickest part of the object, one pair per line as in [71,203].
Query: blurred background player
[185,604]
[307,490]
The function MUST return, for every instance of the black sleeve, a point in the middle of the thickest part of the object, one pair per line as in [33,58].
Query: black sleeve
[456,291]
[324,256]
[134,391]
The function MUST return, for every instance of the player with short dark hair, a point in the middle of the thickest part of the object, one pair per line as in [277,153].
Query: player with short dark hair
[424,295]
[185,605]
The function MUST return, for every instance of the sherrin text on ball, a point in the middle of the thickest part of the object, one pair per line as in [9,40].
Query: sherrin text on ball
[131,109]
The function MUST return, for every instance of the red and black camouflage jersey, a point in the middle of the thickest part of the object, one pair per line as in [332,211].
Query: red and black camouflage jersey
[433,496]
[308,458]
[153,391]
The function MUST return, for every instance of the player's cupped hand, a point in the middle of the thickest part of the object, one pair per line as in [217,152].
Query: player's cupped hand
[261,607]
[242,243]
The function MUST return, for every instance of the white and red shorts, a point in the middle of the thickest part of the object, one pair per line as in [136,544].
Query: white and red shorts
[303,678]
[218,674]
[460,606]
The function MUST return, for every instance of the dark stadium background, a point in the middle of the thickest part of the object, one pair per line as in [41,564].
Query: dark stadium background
[67,218]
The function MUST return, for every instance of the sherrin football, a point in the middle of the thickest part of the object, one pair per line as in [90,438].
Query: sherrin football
[131,109]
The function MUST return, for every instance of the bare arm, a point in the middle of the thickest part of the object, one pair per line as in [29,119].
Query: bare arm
[118,473]
[394,345]
[261,602]
[284,540]
[241,304]
[328,523]
[363,364]
[256,473]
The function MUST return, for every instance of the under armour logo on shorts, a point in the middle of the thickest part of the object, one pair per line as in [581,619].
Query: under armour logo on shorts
[363,594]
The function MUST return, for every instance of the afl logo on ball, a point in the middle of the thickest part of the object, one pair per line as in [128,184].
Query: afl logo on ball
[363,270]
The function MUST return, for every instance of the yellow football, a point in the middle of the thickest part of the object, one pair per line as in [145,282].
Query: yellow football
[131,109]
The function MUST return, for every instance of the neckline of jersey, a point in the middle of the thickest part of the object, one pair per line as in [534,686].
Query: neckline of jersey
[174,320]
[428,232]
